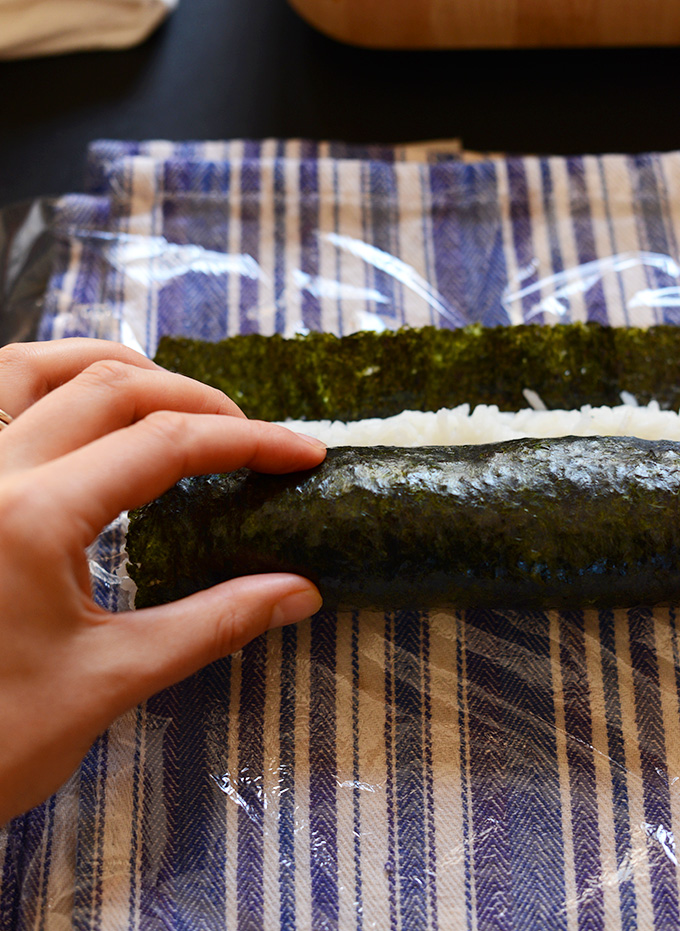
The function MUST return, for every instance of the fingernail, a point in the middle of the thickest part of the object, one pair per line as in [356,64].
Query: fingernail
[312,440]
[296,607]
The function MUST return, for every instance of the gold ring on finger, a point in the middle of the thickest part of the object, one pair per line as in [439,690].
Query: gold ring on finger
[5,419]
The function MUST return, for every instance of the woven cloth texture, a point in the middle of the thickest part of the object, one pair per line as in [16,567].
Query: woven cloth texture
[494,770]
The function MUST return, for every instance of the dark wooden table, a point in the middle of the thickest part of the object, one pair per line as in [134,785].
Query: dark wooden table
[252,68]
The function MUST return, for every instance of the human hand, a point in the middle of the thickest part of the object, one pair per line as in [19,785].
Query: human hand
[99,429]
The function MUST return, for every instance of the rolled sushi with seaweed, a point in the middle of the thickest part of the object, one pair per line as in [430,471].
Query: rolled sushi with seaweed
[454,508]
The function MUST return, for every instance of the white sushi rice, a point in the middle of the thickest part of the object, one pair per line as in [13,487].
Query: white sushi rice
[486,424]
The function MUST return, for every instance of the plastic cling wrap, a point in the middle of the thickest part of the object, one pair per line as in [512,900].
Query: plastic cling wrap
[287,243]
[410,770]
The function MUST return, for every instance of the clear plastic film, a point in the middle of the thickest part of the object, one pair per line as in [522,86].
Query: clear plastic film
[30,240]
[360,770]
[26,260]
[207,248]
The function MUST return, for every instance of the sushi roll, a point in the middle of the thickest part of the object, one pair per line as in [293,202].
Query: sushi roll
[540,523]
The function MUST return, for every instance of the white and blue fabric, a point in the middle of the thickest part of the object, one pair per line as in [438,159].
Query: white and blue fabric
[409,771]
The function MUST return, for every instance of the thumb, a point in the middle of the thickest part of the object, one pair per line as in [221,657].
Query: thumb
[155,647]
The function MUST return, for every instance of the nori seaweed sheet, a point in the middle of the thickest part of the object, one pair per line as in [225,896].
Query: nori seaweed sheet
[529,523]
[321,376]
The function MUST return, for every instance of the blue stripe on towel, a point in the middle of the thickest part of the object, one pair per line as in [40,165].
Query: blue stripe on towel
[195,299]
[250,786]
[323,837]
[382,218]
[183,836]
[309,236]
[609,202]
[586,837]
[584,236]
[87,899]
[286,779]
[251,194]
[431,870]
[411,815]
[447,245]
[29,864]
[489,744]
[186,872]
[483,244]
[463,732]
[431,317]
[673,620]
[617,767]
[160,834]
[37,825]
[337,325]
[280,251]
[92,269]
[521,224]
[136,832]
[651,206]
[552,232]
[356,777]
[17,854]
[42,895]
[656,791]
[514,772]
[390,803]
[466,236]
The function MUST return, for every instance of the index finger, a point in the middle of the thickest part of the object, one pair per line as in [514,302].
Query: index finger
[129,467]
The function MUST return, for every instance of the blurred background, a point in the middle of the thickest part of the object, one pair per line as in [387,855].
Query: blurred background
[220,69]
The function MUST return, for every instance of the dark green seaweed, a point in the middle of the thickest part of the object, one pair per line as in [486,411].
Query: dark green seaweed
[528,523]
[321,376]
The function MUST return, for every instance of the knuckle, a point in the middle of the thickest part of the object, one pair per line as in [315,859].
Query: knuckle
[16,359]
[235,627]
[23,508]
[106,373]
[218,401]
[225,636]
[169,426]
[14,353]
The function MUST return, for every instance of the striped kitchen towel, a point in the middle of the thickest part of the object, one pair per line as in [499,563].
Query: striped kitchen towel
[103,154]
[494,770]
[283,243]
